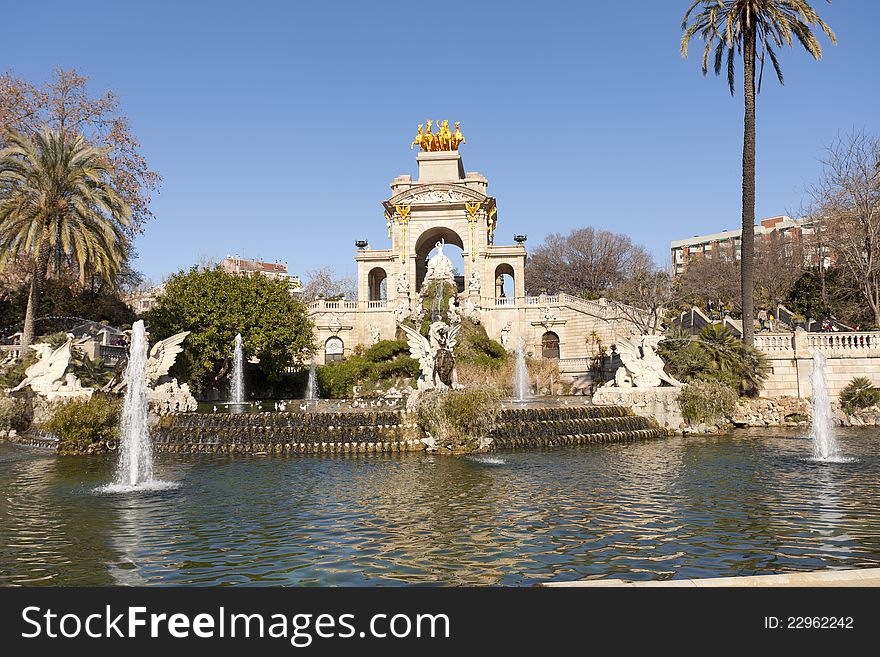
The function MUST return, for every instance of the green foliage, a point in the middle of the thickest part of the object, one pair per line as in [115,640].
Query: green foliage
[214,306]
[858,394]
[13,374]
[458,419]
[386,361]
[60,196]
[715,355]
[14,414]
[385,350]
[707,401]
[82,423]
[477,348]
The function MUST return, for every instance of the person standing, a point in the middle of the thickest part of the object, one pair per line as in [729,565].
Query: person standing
[762,318]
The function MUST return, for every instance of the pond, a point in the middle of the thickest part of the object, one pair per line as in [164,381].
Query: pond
[743,503]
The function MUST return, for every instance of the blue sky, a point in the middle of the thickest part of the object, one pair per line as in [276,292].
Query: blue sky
[277,126]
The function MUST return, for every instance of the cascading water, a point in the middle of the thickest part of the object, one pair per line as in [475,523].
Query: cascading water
[823,436]
[520,374]
[313,392]
[236,392]
[135,453]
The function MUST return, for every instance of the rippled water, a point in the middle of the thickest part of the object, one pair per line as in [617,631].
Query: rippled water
[736,504]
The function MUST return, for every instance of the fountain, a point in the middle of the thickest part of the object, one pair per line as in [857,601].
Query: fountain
[134,471]
[313,392]
[520,374]
[823,436]
[236,392]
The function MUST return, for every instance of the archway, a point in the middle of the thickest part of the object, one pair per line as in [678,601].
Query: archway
[426,247]
[504,282]
[377,280]
[333,349]
[550,345]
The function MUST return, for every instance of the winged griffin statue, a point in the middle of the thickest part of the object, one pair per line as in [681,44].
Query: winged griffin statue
[642,366]
[434,354]
[163,355]
[49,375]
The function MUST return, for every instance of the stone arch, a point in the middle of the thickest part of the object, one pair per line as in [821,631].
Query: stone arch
[505,287]
[377,284]
[334,349]
[550,345]
[424,246]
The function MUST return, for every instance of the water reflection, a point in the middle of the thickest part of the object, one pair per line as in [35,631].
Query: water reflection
[709,506]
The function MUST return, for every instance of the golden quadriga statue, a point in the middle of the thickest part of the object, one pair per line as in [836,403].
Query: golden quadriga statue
[444,140]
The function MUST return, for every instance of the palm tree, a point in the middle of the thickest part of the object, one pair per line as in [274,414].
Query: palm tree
[58,202]
[753,29]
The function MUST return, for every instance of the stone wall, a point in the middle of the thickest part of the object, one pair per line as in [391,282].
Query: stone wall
[790,356]
[659,404]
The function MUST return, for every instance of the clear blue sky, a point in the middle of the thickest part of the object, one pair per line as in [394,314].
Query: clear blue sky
[277,126]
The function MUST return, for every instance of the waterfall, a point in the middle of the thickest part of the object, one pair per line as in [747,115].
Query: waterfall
[313,392]
[823,436]
[520,374]
[136,453]
[236,393]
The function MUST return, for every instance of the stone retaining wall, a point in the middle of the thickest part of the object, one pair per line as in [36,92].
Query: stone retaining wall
[387,431]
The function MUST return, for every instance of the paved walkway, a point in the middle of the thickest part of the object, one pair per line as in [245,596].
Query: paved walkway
[858,577]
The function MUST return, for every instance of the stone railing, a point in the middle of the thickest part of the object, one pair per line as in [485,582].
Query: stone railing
[801,344]
[382,303]
[575,364]
[774,343]
[112,354]
[504,301]
[322,304]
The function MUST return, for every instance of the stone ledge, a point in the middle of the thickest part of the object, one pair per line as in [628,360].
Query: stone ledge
[863,577]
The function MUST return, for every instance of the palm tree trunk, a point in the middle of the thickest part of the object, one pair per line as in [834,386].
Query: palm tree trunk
[747,270]
[38,278]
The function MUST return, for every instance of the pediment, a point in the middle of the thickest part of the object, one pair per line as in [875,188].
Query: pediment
[435,194]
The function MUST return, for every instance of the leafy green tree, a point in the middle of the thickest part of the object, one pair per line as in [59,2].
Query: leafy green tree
[752,29]
[58,203]
[215,306]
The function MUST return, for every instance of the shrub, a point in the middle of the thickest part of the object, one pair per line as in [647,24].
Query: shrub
[385,350]
[458,419]
[385,361]
[14,414]
[707,400]
[858,394]
[715,354]
[85,424]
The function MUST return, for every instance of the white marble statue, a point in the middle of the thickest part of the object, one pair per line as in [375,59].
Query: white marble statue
[505,335]
[440,266]
[171,397]
[642,366]
[471,311]
[454,310]
[374,334]
[401,310]
[402,284]
[474,283]
[49,376]
[163,356]
[434,354]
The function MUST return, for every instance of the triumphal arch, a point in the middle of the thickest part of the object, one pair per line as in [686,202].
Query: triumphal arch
[447,206]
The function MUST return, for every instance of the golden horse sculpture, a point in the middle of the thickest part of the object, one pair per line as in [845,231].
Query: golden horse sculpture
[444,140]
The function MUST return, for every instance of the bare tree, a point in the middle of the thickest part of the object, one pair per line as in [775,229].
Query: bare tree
[848,209]
[65,104]
[711,282]
[645,296]
[778,264]
[586,262]
[324,283]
